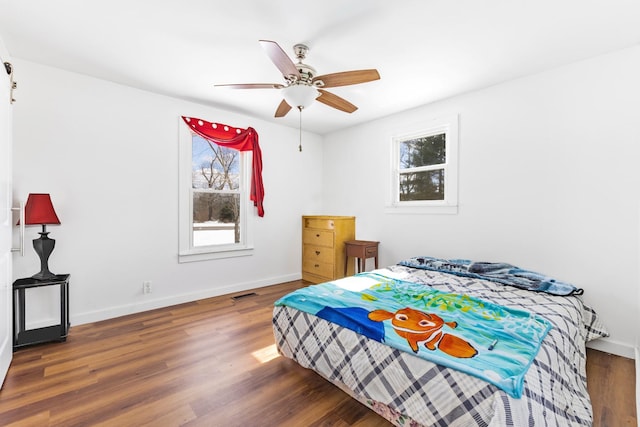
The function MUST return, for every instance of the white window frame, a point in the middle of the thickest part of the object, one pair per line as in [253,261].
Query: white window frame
[449,126]
[186,251]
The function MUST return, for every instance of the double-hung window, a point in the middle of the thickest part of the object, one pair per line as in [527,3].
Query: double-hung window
[424,169]
[214,193]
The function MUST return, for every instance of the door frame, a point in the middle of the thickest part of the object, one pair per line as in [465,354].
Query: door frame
[6,216]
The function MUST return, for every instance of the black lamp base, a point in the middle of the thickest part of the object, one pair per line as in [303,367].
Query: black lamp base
[47,275]
[43,247]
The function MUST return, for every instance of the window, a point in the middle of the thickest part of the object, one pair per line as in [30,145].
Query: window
[424,169]
[214,182]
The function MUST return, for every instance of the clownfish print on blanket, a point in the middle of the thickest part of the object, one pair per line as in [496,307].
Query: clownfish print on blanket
[417,327]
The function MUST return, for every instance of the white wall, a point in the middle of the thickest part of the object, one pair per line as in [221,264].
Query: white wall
[638,338]
[548,181]
[108,154]
[6,220]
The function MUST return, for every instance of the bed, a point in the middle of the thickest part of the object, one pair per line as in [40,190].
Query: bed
[421,380]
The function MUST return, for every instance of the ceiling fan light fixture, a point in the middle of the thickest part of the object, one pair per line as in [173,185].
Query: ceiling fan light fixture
[300,95]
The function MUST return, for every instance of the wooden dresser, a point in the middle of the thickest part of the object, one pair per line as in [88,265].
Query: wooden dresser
[323,249]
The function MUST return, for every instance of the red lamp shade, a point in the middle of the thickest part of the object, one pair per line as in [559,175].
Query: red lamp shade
[39,210]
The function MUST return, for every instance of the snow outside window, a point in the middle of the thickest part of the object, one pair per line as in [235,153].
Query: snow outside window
[214,193]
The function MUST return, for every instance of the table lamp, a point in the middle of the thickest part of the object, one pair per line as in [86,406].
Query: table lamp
[39,211]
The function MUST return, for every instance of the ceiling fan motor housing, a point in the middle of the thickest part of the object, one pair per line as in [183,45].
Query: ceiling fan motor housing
[301,51]
[307,73]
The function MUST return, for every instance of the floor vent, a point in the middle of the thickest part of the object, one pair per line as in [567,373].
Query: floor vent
[243,296]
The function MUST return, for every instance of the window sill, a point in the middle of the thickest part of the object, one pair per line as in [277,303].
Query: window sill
[205,255]
[422,210]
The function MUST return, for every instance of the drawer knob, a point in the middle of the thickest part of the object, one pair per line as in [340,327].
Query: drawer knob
[317,252]
[317,235]
[317,265]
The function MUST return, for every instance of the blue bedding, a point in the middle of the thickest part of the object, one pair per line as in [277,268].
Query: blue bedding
[503,273]
[490,341]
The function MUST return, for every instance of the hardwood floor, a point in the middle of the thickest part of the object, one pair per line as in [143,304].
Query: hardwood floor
[212,363]
[611,385]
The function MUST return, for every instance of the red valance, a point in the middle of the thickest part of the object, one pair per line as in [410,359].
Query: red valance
[239,139]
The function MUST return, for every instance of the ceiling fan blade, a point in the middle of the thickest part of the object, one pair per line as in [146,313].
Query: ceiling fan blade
[346,78]
[283,109]
[279,58]
[335,101]
[252,86]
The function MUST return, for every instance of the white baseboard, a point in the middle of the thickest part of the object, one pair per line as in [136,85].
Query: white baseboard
[6,350]
[613,347]
[123,310]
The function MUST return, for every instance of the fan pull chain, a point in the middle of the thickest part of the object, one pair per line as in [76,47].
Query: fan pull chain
[300,127]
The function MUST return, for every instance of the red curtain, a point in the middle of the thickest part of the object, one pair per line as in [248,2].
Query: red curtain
[239,139]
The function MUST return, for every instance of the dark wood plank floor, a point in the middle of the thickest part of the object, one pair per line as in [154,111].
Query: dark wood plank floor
[212,363]
[611,385]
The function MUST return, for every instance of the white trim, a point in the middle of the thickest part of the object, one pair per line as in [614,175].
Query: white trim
[151,304]
[637,348]
[206,254]
[6,216]
[448,124]
[638,380]
[613,347]
[421,210]
[186,251]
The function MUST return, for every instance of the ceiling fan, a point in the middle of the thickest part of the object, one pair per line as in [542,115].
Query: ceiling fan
[302,84]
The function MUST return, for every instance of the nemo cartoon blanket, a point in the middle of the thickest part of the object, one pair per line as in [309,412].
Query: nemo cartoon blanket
[492,342]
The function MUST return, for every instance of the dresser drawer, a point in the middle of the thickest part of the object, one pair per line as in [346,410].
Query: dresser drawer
[371,251]
[317,253]
[321,223]
[318,268]
[317,237]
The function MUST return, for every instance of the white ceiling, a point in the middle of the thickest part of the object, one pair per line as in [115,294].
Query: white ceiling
[425,50]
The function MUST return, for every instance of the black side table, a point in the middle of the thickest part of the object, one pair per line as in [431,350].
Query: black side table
[22,337]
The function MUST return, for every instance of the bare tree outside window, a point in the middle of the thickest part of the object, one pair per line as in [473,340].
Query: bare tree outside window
[216,193]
